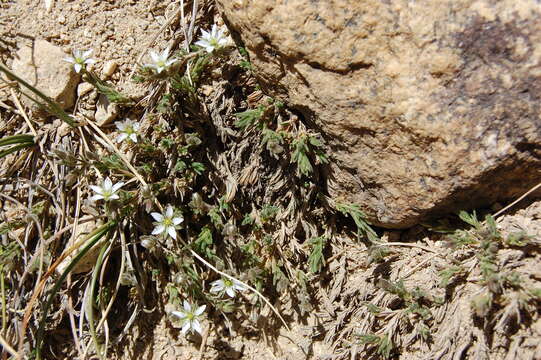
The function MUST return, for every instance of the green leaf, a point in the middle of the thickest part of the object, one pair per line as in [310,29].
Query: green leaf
[198,168]
[363,226]
[104,88]
[203,243]
[470,219]
[17,139]
[316,259]
[447,274]
[249,117]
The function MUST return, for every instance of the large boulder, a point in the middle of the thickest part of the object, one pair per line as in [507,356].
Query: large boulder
[428,106]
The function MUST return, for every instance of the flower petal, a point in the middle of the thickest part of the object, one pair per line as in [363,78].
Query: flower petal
[230,291]
[87,53]
[107,184]
[114,197]
[96,197]
[202,43]
[200,310]
[120,125]
[239,286]
[187,307]
[117,186]
[169,211]
[179,314]
[96,188]
[186,327]
[165,54]
[177,220]
[77,67]
[155,57]
[90,61]
[196,325]
[133,137]
[157,216]
[121,137]
[172,232]
[70,60]
[158,229]
[171,62]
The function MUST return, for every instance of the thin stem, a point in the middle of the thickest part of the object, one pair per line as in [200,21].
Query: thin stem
[3,290]
[91,301]
[95,237]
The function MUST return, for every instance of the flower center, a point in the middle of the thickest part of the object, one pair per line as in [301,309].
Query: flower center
[107,194]
[167,222]
[213,42]
[161,63]
[190,316]
[228,283]
[79,61]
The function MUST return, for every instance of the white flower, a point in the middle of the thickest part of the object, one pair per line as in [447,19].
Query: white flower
[190,317]
[166,223]
[80,59]
[128,129]
[161,61]
[106,191]
[229,286]
[213,40]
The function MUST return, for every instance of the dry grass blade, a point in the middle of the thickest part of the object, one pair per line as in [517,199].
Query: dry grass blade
[498,213]
[7,346]
[92,239]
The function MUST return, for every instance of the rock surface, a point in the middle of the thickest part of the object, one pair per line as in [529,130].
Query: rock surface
[43,67]
[106,111]
[428,107]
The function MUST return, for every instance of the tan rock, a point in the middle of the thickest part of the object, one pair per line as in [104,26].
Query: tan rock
[87,262]
[84,88]
[109,68]
[429,107]
[106,111]
[43,67]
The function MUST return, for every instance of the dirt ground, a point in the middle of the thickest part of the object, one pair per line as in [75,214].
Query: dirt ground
[354,296]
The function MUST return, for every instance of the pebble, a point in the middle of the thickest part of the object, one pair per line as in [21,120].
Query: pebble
[106,111]
[109,68]
[84,88]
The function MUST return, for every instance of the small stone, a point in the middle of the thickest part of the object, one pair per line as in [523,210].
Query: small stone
[44,68]
[106,111]
[207,90]
[109,68]
[84,88]
[90,114]
[87,262]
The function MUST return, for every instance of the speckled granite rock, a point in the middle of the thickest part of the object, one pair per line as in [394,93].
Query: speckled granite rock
[429,107]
